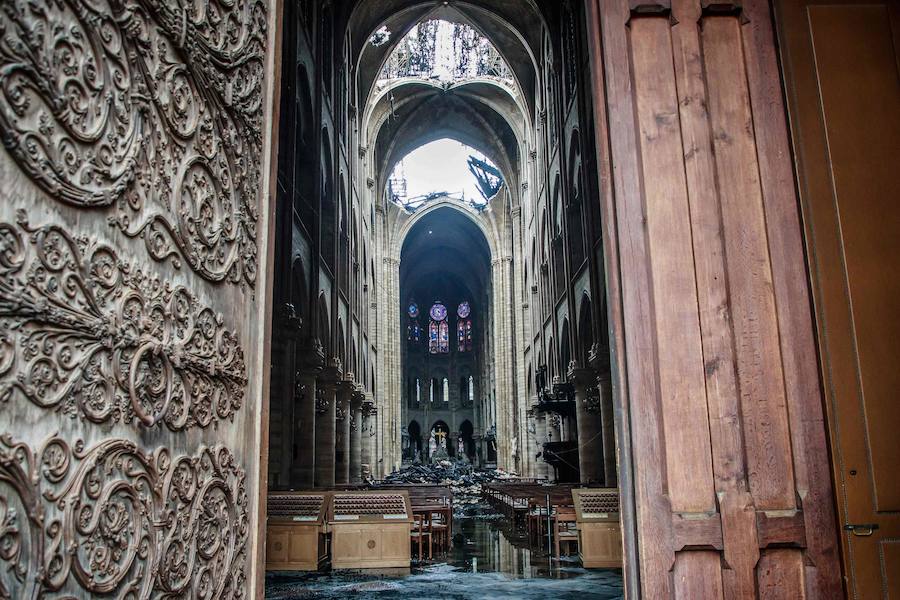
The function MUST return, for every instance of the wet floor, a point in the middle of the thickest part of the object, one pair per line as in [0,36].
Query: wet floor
[488,560]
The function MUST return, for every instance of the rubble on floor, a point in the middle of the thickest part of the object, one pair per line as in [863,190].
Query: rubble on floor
[462,477]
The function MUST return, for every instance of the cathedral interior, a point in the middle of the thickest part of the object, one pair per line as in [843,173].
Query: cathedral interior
[449,299]
[418,324]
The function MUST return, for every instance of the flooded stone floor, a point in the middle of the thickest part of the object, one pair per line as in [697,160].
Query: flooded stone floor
[488,560]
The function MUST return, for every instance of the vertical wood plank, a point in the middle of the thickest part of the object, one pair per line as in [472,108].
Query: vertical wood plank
[652,506]
[763,403]
[780,574]
[726,432]
[791,287]
[698,576]
[681,380]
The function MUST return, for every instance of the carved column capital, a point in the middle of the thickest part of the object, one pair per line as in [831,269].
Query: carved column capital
[310,356]
[581,378]
[331,374]
[598,357]
[357,398]
[287,322]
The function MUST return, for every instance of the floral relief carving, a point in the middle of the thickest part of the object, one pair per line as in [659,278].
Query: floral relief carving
[115,521]
[89,335]
[149,110]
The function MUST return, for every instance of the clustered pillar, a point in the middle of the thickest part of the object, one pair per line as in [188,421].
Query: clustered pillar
[356,430]
[303,465]
[335,421]
[326,404]
[541,468]
[588,418]
[607,426]
[342,461]
[368,430]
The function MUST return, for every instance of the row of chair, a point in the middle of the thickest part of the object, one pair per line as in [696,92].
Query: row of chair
[539,506]
[432,507]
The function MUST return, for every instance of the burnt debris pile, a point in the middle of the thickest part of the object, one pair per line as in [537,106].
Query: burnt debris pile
[464,480]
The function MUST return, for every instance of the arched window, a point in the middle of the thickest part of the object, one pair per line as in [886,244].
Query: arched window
[438,330]
[413,331]
[431,389]
[418,391]
[471,390]
[446,390]
[464,327]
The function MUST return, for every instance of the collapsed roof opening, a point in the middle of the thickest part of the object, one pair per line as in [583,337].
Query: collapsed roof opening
[443,51]
[444,169]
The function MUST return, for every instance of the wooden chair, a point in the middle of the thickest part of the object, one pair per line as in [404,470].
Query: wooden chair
[440,531]
[565,528]
[421,530]
[537,519]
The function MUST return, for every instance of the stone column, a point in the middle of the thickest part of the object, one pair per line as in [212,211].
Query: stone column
[537,435]
[283,397]
[587,416]
[325,423]
[599,359]
[368,432]
[392,375]
[521,333]
[541,468]
[356,433]
[309,363]
[607,419]
[504,375]
[342,421]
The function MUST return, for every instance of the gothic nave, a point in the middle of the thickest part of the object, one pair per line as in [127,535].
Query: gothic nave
[449,299]
[463,323]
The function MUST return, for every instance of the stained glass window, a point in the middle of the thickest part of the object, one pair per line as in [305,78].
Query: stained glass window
[413,331]
[438,312]
[438,330]
[433,337]
[464,328]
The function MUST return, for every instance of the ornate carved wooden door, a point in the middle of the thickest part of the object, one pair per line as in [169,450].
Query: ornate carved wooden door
[132,295]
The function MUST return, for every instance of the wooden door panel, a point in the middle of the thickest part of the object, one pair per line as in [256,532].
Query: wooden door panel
[676,320]
[841,71]
[854,55]
[132,298]
[727,427]
[890,553]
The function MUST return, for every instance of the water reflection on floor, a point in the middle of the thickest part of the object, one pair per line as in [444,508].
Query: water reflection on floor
[489,560]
